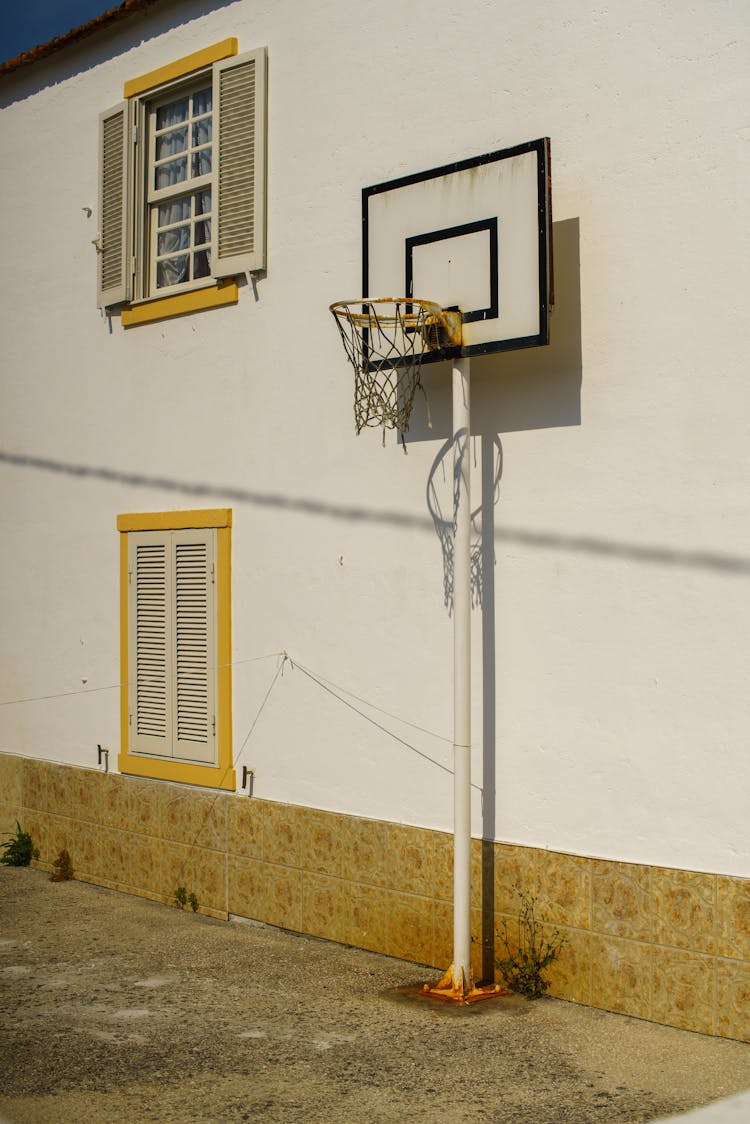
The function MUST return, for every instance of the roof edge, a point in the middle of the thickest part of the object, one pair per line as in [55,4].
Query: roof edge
[113,15]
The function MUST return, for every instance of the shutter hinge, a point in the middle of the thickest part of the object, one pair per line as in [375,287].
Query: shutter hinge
[213,573]
[213,725]
[130,718]
[135,132]
[130,574]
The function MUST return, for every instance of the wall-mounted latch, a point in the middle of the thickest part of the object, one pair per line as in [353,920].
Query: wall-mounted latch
[103,757]
[248,779]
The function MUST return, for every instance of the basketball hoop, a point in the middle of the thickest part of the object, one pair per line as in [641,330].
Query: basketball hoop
[385,339]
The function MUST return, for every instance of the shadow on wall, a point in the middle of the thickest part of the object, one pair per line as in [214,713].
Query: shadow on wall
[535,388]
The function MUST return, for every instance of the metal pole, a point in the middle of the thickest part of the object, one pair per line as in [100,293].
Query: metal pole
[461,675]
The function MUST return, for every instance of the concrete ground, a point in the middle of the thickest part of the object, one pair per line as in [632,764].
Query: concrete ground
[117,1009]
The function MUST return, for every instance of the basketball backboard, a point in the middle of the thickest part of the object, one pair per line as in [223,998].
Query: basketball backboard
[474,235]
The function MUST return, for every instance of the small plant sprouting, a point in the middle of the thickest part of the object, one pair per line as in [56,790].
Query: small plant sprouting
[182,899]
[63,868]
[18,849]
[527,957]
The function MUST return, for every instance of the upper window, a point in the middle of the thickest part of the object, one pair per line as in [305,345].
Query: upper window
[182,178]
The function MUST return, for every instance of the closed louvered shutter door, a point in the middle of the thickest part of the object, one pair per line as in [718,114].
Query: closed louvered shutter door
[149,643]
[114,268]
[194,646]
[240,98]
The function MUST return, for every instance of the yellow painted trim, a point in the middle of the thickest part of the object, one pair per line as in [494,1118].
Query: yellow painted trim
[180,67]
[213,296]
[173,521]
[222,775]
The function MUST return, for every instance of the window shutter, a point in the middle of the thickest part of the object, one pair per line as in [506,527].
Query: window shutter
[240,102]
[194,646]
[148,640]
[114,274]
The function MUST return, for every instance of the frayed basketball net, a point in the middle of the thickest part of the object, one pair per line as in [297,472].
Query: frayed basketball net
[385,339]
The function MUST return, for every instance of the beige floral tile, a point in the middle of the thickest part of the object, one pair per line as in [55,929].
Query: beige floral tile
[115,854]
[733,1000]
[35,786]
[283,897]
[621,900]
[564,895]
[62,791]
[442,920]
[87,786]
[245,826]
[115,806]
[193,817]
[247,888]
[323,837]
[61,833]
[210,881]
[733,917]
[683,989]
[10,814]
[282,834]
[364,853]
[683,904]
[323,906]
[570,973]
[177,867]
[146,864]
[364,917]
[36,824]
[146,806]
[11,779]
[86,852]
[621,976]
[442,887]
[411,863]
[515,869]
[410,927]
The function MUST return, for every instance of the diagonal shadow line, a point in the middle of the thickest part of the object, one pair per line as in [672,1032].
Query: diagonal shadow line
[729,564]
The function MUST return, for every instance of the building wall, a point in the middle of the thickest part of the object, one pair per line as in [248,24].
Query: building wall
[662,944]
[612,543]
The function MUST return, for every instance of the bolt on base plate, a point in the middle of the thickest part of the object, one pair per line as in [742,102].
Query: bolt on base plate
[455,988]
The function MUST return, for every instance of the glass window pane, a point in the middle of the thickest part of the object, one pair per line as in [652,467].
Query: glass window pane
[202,232]
[169,144]
[202,162]
[172,271]
[169,241]
[172,114]
[202,102]
[173,172]
[174,212]
[202,132]
[203,202]
[202,264]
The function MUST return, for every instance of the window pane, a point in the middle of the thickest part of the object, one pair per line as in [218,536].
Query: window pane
[202,264]
[174,212]
[203,202]
[202,132]
[172,271]
[202,232]
[202,102]
[202,162]
[169,241]
[173,172]
[172,114]
[168,144]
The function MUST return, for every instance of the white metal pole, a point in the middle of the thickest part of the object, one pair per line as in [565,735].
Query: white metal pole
[461,674]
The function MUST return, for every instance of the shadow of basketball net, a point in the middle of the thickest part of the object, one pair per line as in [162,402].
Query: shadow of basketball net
[442,500]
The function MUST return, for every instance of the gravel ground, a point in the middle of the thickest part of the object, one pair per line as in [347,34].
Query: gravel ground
[117,1009]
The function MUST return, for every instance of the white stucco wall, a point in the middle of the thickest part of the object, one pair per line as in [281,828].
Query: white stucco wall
[610,649]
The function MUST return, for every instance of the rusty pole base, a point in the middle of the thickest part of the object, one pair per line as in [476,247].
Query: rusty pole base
[454,988]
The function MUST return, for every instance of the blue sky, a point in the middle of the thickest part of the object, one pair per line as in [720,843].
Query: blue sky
[27,23]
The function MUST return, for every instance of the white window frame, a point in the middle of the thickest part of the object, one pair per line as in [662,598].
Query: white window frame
[238,177]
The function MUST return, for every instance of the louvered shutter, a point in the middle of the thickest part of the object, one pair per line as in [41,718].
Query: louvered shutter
[240,106]
[149,644]
[114,258]
[194,646]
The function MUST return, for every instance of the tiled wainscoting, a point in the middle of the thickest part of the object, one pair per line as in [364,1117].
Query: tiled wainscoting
[667,945]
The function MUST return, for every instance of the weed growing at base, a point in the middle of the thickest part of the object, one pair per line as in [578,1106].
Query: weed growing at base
[531,952]
[18,849]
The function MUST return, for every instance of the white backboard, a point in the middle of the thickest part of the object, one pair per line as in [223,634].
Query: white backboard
[473,235]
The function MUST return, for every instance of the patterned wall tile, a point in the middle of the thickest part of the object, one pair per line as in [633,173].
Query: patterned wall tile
[411,862]
[282,834]
[323,906]
[283,897]
[146,873]
[146,807]
[87,786]
[570,973]
[10,814]
[442,922]
[621,976]
[86,852]
[116,855]
[364,855]
[322,841]
[62,791]
[247,887]
[194,817]
[683,989]
[621,900]
[115,809]
[35,778]
[11,779]
[210,882]
[733,1000]
[410,927]
[564,895]
[733,917]
[515,869]
[245,826]
[683,909]
[364,920]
